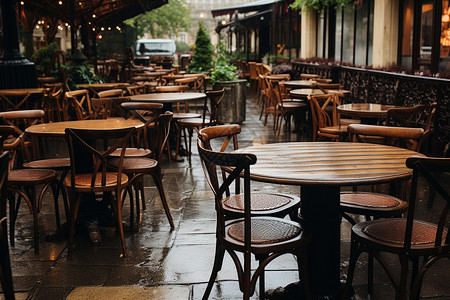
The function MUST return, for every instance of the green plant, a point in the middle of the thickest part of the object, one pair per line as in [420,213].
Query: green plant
[320,4]
[43,57]
[224,73]
[203,56]
[79,73]
[182,46]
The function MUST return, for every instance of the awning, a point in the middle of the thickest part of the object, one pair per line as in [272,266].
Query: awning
[243,20]
[260,5]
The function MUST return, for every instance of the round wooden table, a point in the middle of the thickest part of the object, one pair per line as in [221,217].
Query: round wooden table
[321,168]
[58,128]
[103,86]
[365,110]
[303,93]
[25,90]
[299,84]
[166,98]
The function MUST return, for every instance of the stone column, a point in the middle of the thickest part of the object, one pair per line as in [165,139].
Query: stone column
[308,34]
[385,32]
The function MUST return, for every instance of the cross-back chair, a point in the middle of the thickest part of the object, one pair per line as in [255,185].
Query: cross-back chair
[114,93]
[106,107]
[409,238]
[136,90]
[138,166]
[324,117]
[14,100]
[271,104]
[405,116]
[80,102]
[214,97]
[90,173]
[265,237]
[54,106]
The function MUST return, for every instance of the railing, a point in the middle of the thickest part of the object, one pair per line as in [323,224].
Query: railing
[374,86]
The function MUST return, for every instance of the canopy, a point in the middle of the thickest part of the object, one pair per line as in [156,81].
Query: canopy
[260,5]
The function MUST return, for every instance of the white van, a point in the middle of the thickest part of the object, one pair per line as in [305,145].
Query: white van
[159,51]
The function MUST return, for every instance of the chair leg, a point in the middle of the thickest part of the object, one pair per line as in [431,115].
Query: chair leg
[5,263]
[218,261]
[74,199]
[401,292]
[117,207]
[370,275]
[162,195]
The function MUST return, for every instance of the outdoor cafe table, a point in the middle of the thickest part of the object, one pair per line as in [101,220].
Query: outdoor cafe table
[168,98]
[367,112]
[321,168]
[300,84]
[303,93]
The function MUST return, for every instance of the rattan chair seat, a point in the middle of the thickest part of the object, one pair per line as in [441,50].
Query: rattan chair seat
[83,181]
[259,202]
[342,130]
[265,230]
[30,176]
[135,164]
[185,115]
[393,231]
[370,200]
[52,163]
[132,152]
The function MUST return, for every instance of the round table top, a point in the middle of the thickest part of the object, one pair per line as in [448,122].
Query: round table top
[58,128]
[299,84]
[366,110]
[168,97]
[29,90]
[313,92]
[102,85]
[328,163]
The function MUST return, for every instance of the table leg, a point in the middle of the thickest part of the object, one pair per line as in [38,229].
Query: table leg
[320,215]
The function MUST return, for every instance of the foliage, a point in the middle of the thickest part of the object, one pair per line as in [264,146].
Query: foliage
[43,57]
[79,73]
[203,56]
[165,20]
[320,4]
[115,41]
[283,69]
[223,70]
[182,46]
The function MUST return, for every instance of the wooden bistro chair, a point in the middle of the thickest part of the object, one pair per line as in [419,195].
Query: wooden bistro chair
[111,93]
[80,102]
[136,167]
[265,237]
[54,104]
[14,100]
[215,97]
[408,238]
[325,118]
[22,182]
[108,107]
[90,174]
[405,116]
[263,204]
[5,262]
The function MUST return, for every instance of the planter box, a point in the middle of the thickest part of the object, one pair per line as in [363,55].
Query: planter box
[232,107]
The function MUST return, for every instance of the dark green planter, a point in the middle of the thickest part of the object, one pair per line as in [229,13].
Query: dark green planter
[232,107]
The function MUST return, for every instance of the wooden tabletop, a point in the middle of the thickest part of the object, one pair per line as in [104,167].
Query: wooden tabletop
[313,92]
[168,97]
[102,85]
[328,163]
[365,110]
[29,90]
[57,128]
[299,84]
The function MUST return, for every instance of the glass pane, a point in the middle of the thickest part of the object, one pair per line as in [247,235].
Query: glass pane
[444,61]
[348,34]
[337,53]
[407,34]
[362,20]
[320,35]
[370,51]
[426,37]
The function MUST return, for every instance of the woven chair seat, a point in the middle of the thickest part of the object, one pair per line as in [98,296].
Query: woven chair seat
[265,230]
[393,231]
[30,176]
[132,152]
[259,202]
[52,163]
[185,115]
[84,180]
[334,129]
[370,200]
[293,104]
[135,164]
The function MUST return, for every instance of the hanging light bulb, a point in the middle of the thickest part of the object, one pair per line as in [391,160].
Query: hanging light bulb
[445,18]
[60,2]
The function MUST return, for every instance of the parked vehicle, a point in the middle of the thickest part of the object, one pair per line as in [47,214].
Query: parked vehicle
[158,51]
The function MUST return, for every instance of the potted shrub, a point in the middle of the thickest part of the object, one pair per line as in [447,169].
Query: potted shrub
[202,59]
[224,76]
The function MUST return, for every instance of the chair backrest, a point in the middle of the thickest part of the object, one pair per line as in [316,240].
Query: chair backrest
[172,88]
[252,70]
[87,157]
[135,90]
[110,93]
[157,138]
[323,80]
[405,116]
[215,97]
[405,137]
[13,100]
[309,76]
[104,108]
[81,103]
[212,163]
[7,133]
[429,168]
[325,87]
[229,132]
[21,119]
[56,89]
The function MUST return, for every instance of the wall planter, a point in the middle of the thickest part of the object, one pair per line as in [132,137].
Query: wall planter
[232,107]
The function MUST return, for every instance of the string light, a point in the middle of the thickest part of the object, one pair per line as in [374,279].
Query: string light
[22,3]
[93,29]
[102,28]
[60,2]
[37,26]
[109,28]
[94,16]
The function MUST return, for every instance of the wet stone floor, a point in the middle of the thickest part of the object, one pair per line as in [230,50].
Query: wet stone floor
[171,264]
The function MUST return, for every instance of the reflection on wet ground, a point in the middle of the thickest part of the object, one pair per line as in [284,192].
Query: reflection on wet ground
[165,264]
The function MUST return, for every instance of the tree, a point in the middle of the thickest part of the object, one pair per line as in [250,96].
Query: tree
[203,56]
[165,20]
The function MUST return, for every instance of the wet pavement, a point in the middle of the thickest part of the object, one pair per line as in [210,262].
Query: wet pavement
[172,264]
